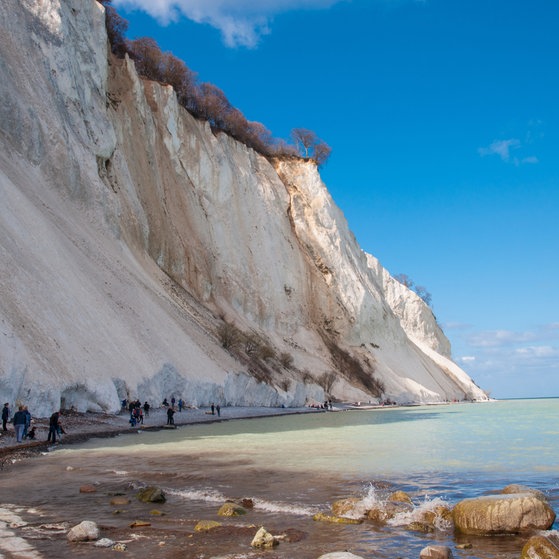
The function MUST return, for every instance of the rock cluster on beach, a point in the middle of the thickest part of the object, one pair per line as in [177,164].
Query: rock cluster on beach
[462,519]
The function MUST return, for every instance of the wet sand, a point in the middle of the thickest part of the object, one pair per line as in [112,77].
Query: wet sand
[80,427]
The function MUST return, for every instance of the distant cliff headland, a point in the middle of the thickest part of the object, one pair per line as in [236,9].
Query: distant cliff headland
[155,242]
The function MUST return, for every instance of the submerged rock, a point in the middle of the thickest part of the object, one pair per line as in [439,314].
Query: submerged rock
[206,525]
[231,509]
[140,524]
[321,517]
[84,531]
[352,506]
[502,514]
[516,488]
[436,552]
[151,495]
[120,501]
[340,555]
[104,542]
[381,513]
[400,497]
[541,547]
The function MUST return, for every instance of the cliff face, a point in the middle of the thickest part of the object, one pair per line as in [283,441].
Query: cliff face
[135,244]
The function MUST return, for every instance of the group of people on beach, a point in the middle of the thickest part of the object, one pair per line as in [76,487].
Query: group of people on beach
[136,410]
[22,422]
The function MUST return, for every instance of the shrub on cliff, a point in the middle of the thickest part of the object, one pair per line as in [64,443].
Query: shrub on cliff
[205,100]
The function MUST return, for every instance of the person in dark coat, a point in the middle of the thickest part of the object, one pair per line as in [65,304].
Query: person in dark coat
[5,416]
[20,421]
[170,413]
[53,427]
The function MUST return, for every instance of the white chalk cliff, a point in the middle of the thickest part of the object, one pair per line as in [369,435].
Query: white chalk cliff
[131,235]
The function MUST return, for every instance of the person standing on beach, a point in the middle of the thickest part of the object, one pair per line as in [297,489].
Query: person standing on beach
[19,421]
[212,407]
[53,427]
[27,421]
[218,410]
[5,416]
[170,413]
[146,409]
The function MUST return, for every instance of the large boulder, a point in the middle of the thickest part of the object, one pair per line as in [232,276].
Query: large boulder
[541,547]
[83,532]
[502,514]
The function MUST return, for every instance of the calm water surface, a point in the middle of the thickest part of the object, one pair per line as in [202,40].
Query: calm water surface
[293,467]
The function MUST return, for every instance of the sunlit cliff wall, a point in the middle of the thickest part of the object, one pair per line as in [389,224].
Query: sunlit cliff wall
[130,234]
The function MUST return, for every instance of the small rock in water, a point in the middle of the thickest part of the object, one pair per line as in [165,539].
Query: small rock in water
[104,542]
[88,488]
[206,525]
[139,524]
[231,509]
[84,531]
[340,555]
[321,517]
[151,495]
[436,552]
[351,506]
[400,497]
[264,539]
[120,501]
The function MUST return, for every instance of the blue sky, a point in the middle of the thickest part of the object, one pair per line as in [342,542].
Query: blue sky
[443,119]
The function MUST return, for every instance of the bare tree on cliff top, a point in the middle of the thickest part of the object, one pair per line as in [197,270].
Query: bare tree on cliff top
[310,146]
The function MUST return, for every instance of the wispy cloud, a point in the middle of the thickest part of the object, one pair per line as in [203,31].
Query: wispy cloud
[502,148]
[241,22]
[513,150]
[504,360]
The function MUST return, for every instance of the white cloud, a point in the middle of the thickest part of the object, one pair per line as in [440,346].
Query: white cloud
[467,359]
[502,148]
[241,22]
[532,159]
[511,363]
[500,338]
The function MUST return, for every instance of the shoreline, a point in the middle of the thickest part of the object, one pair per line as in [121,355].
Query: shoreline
[81,427]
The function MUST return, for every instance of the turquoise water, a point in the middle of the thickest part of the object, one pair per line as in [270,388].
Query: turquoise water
[294,466]
[513,437]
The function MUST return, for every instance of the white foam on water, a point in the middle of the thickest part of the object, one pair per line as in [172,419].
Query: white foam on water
[284,508]
[417,514]
[206,495]
[214,496]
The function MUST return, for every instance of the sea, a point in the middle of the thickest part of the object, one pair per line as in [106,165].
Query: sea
[290,468]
